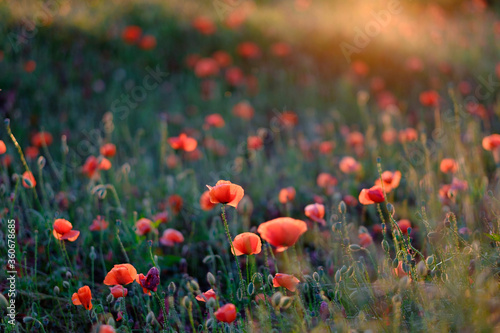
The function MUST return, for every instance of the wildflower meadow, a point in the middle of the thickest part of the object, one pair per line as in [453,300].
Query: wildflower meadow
[250,166]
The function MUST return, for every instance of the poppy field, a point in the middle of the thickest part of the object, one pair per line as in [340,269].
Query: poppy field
[250,166]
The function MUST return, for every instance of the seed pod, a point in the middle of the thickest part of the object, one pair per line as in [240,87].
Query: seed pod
[395,263]
[342,207]
[385,245]
[421,269]
[211,302]
[171,288]
[270,279]
[186,302]
[211,279]
[110,298]
[285,302]
[276,299]
[338,276]
[250,289]
[150,317]
[354,247]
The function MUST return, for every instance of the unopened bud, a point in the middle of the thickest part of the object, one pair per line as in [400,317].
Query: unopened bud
[211,279]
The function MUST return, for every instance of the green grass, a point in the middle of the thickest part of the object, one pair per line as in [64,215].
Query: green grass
[83,67]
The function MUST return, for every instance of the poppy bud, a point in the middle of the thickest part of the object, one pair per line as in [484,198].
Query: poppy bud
[354,247]
[211,302]
[66,284]
[338,276]
[385,245]
[429,260]
[270,279]
[27,319]
[151,280]
[194,285]
[421,269]
[395,263]
[186,302]
[390,209]
[171,288]
[285,302]
[342,207]
[211,279]
[110,298]
[150,317]
[316,276]
[41,162]
[250,289]
[276,298]
[92,254]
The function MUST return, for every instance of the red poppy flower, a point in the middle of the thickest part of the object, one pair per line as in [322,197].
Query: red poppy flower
[30,66]
[106,329]
[349,165]
[148,42]
[183,142]
[246,243]
[3,147]
[448,165]
[289,119]
[215,120]
[131,34]
[93,165]
[63,230]
[408,135]
[206,67]
[399,272]
[207,295]
[325,180]
[248,50]
[286,194]
[282,232]
[315,212]
[365,239]
[144,226]
[280,49]
[204,25]
[404,224]
[491,142]
[234,76]
[41,138]
[360,68]
[391,180]
[223,58]
[118,291]
[243,110]
[226,193]
[108,150]
[99,224]
[170,237]
[175,202]
[429,98]
[122,274]
[371,195]
[287,281]
[28,179]
[149,282]
[31,152]
[83,297]
[254,142]
[326,147]
[389,136]
[205,202]
[226,313]
[162,217]
[355,139]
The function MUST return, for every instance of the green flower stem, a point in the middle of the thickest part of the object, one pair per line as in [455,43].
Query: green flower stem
[242,283]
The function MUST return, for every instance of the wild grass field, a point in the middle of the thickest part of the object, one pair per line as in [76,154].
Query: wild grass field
[250,166]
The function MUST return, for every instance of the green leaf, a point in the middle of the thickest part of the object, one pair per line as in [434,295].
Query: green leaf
[495,237]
